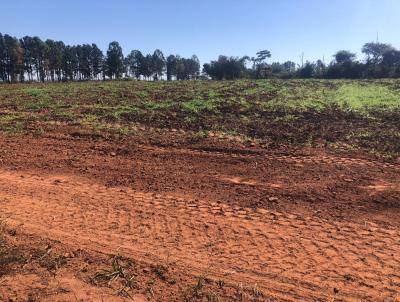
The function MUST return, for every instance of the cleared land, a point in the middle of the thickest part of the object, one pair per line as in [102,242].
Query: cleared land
[200,191]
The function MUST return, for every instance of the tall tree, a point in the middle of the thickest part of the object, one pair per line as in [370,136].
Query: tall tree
[3,76]
[54,57]
[70,63]
[133,62]
[115,61]
[227,68]
[391,63]
[289,66]
[96,61]
[84,55]
[146,66]
[181,70]
[172,64]
[39,50]
[26,44]
[344,56]
[261,56]
[307,71]
[158,64]
[374,55]
[193,67]
[375,51]
[14,58]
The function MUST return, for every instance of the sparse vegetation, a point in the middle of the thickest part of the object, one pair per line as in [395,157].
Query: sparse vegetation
[121,272]
[9,256]
[346,113]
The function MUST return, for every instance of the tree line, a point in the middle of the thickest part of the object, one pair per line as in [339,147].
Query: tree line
[32,59]
[381,61]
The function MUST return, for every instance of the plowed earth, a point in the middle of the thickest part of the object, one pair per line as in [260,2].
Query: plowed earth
[259,225]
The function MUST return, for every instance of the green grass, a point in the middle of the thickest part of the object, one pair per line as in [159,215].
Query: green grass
[278,112]
[196,106]
[366,97]
[164,105]
[35,92]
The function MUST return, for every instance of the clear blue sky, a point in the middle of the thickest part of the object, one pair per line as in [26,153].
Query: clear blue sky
[210,27]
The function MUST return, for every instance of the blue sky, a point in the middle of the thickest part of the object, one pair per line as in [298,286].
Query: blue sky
[210,27]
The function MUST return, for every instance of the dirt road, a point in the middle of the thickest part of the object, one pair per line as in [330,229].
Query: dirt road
[290,256]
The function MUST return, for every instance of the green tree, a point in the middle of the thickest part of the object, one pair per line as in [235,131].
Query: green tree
[26,44]
[3,76]
[115,61]
[375,51]
[307,71]
[54,58]
[96,61]
[374,56]
[146,66]
[391,63]
[289,66]
[70,63]
[13,59]
[133,63]
[84,61]
[158,64]
[181,71]
[39,50]
[193,67]
[344,56]
[172,64]
[227,68]
[261,56]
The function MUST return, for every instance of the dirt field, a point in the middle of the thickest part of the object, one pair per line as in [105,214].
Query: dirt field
[214,191]
[207,222]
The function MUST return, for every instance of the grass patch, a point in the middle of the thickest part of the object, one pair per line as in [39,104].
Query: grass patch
[35,92]
[119,113]
[365,98]
[120,272]
[197,106]
[163,105]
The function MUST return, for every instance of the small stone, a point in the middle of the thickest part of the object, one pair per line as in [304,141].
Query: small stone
[113,154]
[335,291]
[273,199]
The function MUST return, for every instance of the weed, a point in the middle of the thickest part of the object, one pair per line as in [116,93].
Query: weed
[35,92]
[9,256]
[198,291]
[160,271]
[159,105]
[252,293]
[119,271]
[196,106]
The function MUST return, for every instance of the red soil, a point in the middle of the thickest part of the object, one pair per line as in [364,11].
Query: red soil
[296,225]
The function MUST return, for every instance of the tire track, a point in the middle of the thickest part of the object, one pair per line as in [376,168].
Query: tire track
[289,257]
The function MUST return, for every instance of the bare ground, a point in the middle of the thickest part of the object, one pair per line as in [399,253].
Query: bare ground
[283,225]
